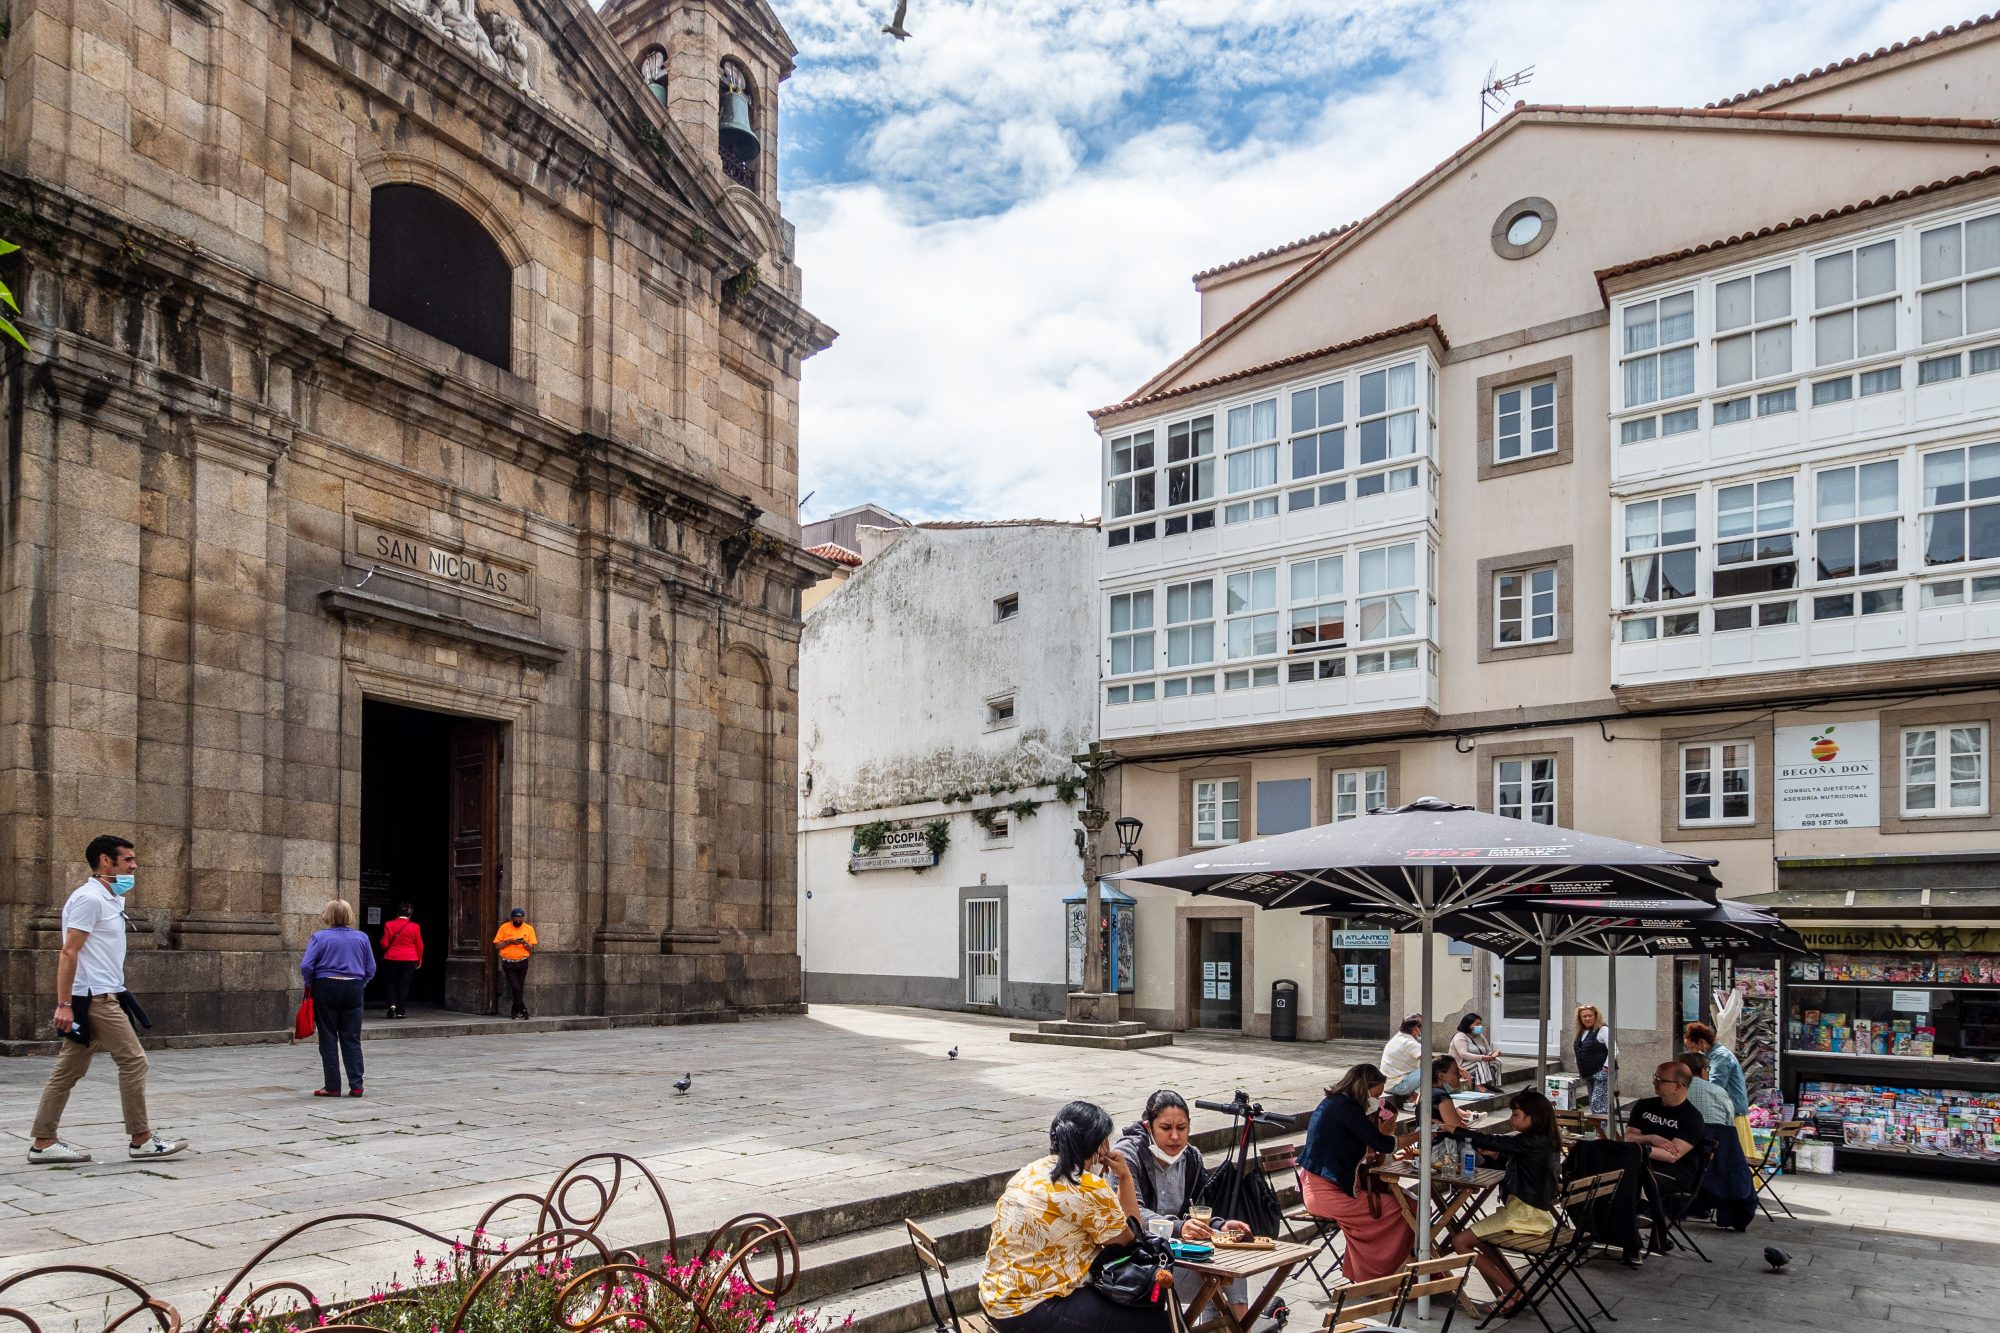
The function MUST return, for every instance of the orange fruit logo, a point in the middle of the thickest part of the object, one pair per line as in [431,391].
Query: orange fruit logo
[1824,746]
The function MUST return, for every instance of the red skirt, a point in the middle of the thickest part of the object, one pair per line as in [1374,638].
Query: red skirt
[1376,1245]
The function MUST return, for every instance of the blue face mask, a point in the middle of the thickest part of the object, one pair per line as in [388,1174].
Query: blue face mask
[121,884]
[1478,1029]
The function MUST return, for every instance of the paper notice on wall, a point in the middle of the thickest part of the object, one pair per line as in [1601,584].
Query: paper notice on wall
[1208,971]
[1222,971]
[1208,989]
[1368,974]
[1367,997]
[1910,1001]
[374,916]
[1221,990]
[1824,776]
[1350,972]
[1350,995]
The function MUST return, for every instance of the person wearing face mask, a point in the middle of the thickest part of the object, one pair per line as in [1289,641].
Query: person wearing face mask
[1167,1173]
[94,1012]
[1479,1060]
[1335,1183]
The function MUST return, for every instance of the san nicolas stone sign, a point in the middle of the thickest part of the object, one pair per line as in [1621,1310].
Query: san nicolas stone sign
[476,573]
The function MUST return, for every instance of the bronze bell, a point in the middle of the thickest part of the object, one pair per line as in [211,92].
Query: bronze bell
[739,141]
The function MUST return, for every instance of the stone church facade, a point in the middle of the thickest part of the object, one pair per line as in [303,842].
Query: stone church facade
[401,491]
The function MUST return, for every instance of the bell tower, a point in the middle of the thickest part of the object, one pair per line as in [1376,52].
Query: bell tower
[715,65]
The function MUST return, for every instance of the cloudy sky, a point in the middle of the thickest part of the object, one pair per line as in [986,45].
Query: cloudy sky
[1001,214]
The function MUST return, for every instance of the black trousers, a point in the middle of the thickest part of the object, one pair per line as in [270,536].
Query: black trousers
[397,977]
[517,982]
[1085,1311]
[337,1015]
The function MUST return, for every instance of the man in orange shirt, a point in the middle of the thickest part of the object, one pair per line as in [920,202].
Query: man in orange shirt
[516,942]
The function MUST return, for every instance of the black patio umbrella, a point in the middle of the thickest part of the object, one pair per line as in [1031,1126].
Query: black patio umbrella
[1425,861]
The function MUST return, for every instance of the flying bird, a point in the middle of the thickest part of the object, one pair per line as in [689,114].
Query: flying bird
[894,27]
[951,1054]
[683,1083]
[1776,1257]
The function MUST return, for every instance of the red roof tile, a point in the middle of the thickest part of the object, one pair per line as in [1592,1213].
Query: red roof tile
[1861,59]
[1314,239]
[1619,270]
[1427,322]
[835,552]
[1751,113]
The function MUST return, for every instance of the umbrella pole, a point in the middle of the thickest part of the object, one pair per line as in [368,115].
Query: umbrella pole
[1424,1079]
[1611,1100]
[1542,1024]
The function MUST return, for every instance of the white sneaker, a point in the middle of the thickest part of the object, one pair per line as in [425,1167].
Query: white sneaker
[57,1152]
[155,1147]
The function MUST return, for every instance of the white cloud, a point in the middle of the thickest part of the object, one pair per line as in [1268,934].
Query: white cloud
[1030,185]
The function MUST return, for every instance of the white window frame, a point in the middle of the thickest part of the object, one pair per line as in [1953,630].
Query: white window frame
[1660,550]
[1324,416]
[995,930]
[1222,799]
[1259,613]
[1318,598]
[1134,637]
[1850,308]
[1532,431]
[1191,454]
[1825,523]
[1522,775]
[1377,588]
[1534,600]
[1718,763]
[1942,736]
[1130,479]
[1760,534]
[1770,310]
[1961,509]
[1000,712]
[1642,343]
[1934,284]
[1253,449]
[1191,635]
[1353,792]
[1390,413]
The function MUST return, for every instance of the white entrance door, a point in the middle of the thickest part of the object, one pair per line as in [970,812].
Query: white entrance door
[982,951]
[1514,987]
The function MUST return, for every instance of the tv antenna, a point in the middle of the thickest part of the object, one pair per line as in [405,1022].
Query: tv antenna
[1493,93]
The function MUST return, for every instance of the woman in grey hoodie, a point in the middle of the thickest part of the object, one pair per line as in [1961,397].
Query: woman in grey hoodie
[1166,1174]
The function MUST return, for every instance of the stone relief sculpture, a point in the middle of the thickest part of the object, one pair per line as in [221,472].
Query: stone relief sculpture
[496,40]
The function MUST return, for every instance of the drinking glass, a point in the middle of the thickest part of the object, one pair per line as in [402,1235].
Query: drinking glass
[1200,1212]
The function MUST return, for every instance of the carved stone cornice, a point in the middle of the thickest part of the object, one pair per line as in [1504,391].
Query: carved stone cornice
[358,605]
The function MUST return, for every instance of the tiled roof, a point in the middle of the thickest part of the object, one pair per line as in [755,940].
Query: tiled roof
[1861,59]
[1619,270]
[835,552]
[1427,322]
[1303,241]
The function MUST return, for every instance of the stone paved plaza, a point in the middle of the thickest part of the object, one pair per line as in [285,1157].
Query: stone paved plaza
[793,1113]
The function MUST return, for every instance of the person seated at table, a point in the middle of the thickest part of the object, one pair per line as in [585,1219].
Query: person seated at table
[1726,1072]
[1167,1173]
[1052,1219]
[1703,1095]
[1403,1058]
[1342,1140]
[1475,1056]
[1532,1157]
[1447,1077]
[1668,1128]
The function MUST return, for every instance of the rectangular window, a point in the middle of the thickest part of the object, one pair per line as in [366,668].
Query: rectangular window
[1251,608]
[1525,789]
[1131,633]
[1715,782]
[1959,273]
[1826,392]
[1131,475]
[1319,605]
[1217,817]
[1983,360]
[1190,623]
[1006,608]
[1857,512]
[1754,531]
[1180,687]
[1242,511]
[1386,424]
[1889,379]
[1524,421]
[1388,592]
[1380,483]
[1944,770]
[1961,504]
[1660,560]
[1777,401]
[1658,358]
[1250,678]
[1760,306]
[1524,606]
[1736,409]
[1356,791]
[1253,447]
[1000,711]
[1318,438]
[1938,369]
[1849,322]
[1191,461]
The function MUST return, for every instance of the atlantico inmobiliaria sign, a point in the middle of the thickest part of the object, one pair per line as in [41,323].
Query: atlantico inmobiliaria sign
[1827,776]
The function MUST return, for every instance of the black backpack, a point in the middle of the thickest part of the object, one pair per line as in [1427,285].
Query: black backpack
[1240,1193]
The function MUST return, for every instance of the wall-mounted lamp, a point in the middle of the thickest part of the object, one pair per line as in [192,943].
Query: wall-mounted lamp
[1129,830]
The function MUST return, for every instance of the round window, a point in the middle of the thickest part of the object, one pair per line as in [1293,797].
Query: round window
[1523,227]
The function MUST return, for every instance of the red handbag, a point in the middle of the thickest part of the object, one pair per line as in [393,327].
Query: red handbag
[302,1022]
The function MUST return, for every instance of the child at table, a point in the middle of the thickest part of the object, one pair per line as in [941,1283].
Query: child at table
[1532,1155]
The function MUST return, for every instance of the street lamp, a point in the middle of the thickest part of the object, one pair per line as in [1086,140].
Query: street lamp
[1129,830]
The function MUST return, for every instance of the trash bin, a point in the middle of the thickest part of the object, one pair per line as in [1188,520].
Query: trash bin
[1284,1010]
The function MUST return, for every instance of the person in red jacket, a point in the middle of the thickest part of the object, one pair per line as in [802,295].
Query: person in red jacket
[402,955]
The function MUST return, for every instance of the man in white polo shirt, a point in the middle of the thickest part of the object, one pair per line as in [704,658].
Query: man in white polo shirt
[93,1011]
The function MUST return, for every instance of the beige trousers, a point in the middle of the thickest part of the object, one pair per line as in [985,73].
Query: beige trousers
[110,1032]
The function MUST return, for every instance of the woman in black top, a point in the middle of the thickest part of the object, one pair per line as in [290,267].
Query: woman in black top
[1335,1182]
[1593,1055]
[1532,1156]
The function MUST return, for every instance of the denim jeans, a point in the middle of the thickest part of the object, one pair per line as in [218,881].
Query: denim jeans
[337,1015]
[1407,1084]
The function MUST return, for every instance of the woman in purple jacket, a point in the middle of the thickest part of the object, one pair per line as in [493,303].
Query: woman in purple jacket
[338,966]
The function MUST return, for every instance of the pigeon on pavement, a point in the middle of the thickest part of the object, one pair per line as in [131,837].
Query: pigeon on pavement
[951,1054]
[683,1083]
[1776,1257]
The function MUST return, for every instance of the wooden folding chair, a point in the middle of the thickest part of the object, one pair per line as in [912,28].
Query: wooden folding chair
[1430,1278]
[1777,1159]
[1282,1159]
[1356,1303]
[944,1312]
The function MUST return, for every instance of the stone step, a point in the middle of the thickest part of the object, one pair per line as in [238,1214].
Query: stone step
[848,1263]
[898,1305]
[1138,1042]
[1067,1028]
[373,1029]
